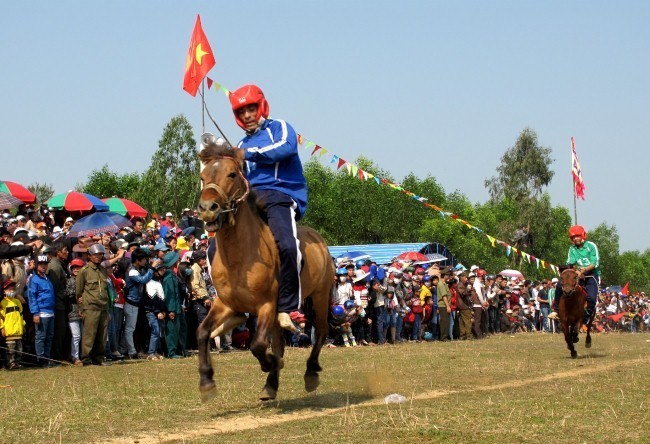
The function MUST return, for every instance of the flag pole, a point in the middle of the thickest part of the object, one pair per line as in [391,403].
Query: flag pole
[203,106]
[573,181]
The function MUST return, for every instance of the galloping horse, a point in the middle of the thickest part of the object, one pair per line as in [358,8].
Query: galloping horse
[572,310]
[245,271]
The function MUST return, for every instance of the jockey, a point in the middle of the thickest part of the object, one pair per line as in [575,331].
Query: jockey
[274,171]
[583,256]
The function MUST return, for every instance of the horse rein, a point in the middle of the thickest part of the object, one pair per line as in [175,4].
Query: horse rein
[231,204]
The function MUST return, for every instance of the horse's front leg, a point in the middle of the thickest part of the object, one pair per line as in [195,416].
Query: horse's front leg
[217,316]
[266,319]
[270,389]
[588,340]
[568,338]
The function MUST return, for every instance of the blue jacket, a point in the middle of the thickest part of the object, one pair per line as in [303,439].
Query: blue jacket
[134,286]
[41,295]
[272,161]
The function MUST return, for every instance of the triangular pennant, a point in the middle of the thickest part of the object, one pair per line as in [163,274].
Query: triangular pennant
[354,170]
[537,261]
[309,144]
[508,250]
[300,139]
[209,81]
[322,152]
[316,148]
[334,158]
[544,264]
[377,180]
[349,167]
[491,239]
[340,164]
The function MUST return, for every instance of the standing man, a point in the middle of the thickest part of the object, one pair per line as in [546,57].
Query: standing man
[274,171]
[40,293]
[173,305]
[56,271]
[137,276]
[544,307]
[92,297]
[444,302]
[583,257]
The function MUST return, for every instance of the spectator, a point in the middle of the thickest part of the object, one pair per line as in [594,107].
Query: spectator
[93,298]
[544,305]
[58,275]
[138,275]
[12,325]
[173,305]
[154,307]
[41,295]
[444,302]
[74,312]
[464,306]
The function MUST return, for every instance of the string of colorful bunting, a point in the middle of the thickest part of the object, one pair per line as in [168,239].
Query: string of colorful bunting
[355,171]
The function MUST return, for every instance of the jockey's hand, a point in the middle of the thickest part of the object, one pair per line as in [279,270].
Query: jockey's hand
[240,154]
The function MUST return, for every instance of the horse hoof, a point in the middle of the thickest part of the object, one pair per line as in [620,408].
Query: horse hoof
[574,354]
[268,394]
[588,344]
[312,381]
[576,339]
[208,392]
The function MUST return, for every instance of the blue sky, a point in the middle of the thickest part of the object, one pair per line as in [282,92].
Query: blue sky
[428,87]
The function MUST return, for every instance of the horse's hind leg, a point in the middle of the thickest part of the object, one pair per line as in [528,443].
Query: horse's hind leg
[217,316]
[312,379]
[270,389]
[588,340]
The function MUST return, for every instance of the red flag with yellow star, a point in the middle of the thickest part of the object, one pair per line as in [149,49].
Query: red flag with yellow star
[199,60]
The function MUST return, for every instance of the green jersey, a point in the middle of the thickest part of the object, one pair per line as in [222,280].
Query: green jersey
[584,256]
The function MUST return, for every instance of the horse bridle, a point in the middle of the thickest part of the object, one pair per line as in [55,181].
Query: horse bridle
[231,204]
[573,290]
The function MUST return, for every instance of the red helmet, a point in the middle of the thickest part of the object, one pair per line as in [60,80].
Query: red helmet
[578,230]
[480,272]
[246,95]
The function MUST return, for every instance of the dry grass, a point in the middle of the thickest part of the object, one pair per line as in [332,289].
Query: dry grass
[503,389]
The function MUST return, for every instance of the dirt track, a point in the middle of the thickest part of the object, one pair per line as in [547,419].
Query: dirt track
[248,422]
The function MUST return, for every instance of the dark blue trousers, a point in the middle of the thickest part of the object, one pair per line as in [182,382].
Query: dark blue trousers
[280,213]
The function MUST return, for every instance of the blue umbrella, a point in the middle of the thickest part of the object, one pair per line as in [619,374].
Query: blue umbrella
[353,256]
[97,223]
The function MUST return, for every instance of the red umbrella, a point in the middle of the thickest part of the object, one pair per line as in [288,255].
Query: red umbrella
[125,207]
[18,191]
[74,201]
[412,256]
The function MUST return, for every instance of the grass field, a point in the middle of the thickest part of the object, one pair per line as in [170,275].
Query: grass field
[523,388]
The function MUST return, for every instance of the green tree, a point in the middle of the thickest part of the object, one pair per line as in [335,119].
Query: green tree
[172,181]
[106,183]
[606,239]
[43,191]
[635,269]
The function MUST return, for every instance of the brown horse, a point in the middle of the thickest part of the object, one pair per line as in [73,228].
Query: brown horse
[245,272]
[572,310]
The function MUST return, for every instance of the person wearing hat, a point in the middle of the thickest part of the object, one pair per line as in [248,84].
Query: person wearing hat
[92,297]
[160,249]
[186,219]
[56,271]
[173,306]
[154,307]
[274,170]
[41,296]
[444,302]
[69,222]
[169,221]
[12,325]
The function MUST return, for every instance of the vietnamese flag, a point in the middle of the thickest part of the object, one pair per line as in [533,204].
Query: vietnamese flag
[626,290]
[199,60]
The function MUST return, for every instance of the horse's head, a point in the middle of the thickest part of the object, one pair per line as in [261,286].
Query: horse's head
[569,281]
[223,184]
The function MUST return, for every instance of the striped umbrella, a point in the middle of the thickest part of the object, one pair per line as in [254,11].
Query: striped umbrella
[74,201]
[125,207]
[9,201]
[18,191]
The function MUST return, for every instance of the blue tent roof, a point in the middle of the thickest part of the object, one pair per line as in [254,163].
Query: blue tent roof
[384,253]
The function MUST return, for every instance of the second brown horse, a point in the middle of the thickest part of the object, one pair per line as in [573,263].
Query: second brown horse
[245,272]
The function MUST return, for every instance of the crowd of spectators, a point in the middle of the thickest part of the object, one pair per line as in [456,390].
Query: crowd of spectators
[132,294]
[136,293]
[375,305]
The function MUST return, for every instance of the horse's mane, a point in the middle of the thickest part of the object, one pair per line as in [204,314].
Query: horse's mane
[215,151]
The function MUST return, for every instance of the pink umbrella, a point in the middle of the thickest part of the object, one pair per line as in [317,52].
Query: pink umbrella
[512,273]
